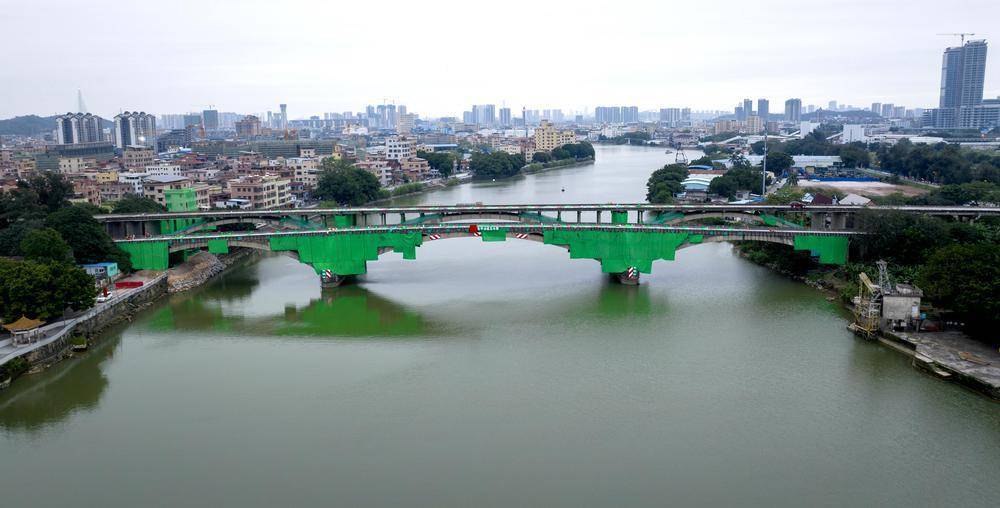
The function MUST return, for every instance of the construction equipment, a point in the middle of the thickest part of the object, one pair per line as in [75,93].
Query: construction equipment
[868,303]
[961,35]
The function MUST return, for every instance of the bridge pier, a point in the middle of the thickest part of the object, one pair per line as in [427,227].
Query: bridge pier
[838,221]
[629,277]
[328,279]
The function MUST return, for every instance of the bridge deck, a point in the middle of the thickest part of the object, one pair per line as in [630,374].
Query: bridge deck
[508,226]
[519,208]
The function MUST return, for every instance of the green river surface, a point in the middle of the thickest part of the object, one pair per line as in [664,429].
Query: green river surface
[498,374]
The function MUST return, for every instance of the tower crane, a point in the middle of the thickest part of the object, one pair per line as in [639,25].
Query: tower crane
[961,35]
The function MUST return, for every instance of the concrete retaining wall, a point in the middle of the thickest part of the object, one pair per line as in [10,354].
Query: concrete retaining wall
[90,324]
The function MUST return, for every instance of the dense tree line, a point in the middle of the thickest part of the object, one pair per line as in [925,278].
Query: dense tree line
[632,138]
[496,164]
[343,183]
[43,289]
[136,204]
[942,163]
[853,155]
[741,177]
[665,183]
[42,202]
[443,162]
[581,150]
[51,237]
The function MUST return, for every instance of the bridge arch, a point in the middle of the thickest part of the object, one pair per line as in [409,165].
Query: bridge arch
[619,249]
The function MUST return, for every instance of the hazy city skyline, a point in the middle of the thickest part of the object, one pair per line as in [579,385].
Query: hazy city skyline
[439,57]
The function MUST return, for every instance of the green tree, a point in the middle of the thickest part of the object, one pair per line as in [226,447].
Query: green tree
[443,162]
[665,182]
[741,177]
[966,280]
[43,290]
[541,157]
[779,162]
[53,190]
[495,165]
[45,245]
[345,184]
[87,237]
[137,204]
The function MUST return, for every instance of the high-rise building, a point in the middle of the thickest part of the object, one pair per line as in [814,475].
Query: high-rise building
[283,125]
[630,114]
[135,129]
[741,114]
[831,106]
[763,109]
[963,75]
[405,123]
[887,110]
[608,114]
[747,108]
[793,110]
[210,119]
[484,114]
[505,117]
[877,108]
[671,116]
[75,128]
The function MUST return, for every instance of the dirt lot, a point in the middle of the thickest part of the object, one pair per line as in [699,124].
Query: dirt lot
[865,188]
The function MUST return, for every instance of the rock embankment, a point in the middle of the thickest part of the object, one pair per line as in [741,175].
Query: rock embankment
[201,267]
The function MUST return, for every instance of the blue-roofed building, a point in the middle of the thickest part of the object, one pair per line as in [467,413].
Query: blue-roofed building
[102,270]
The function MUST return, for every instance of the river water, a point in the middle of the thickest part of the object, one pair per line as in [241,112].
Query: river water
[497,374]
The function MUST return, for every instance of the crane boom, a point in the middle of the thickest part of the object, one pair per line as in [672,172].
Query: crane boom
[961,35]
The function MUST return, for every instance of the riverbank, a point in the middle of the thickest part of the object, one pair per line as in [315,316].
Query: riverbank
[86,328]
[426,187]
[202,267]
[947,355]
[58,338]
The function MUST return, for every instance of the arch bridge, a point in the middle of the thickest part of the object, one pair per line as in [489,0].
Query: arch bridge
[623,249]
[820,217]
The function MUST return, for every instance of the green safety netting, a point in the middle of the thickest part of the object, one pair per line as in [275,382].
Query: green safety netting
[179,200]
[774,220]
[343,221]
[423,218]
[219,246]
[618,251]
[493,235]
[346,254]
[298,222]
[832,250]
[619,217]
[665,217]
[148,255]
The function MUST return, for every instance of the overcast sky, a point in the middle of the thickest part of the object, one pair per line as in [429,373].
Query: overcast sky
[438,57]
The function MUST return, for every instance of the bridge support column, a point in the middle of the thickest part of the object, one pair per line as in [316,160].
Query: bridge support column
[328,279]
[629,277]
[838,221]
[817,220]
